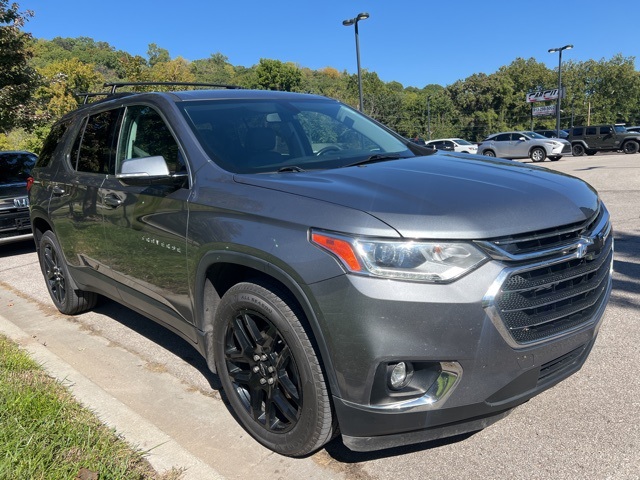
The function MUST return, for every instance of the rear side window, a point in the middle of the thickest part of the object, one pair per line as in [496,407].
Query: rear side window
[51,143]
[591,131]
[577,131]
[94,147]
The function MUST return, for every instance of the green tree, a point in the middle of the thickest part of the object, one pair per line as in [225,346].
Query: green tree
[157,54]
[276,75]
[63,81]
[215,69]
[177,70]
[18,79]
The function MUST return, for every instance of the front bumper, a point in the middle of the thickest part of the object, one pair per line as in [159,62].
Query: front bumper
[368,323]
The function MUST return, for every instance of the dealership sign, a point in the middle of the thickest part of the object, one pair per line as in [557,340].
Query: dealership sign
[543,111]
[544,95]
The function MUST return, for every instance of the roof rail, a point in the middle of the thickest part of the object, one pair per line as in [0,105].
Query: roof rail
[115,85]
[85,95]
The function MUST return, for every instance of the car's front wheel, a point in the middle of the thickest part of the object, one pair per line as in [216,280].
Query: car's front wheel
[631,147]
[538,154]
[63,291]
[270,371]
[577,150]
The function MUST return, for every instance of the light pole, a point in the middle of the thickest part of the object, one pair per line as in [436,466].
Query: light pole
[559,50]
[429,116]
[348,23]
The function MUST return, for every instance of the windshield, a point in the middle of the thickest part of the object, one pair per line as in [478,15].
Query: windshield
[620,128]
[461,141]
[534,135]
[256,136]
[16,167]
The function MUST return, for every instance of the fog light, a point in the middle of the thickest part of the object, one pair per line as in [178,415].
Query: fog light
[400,375]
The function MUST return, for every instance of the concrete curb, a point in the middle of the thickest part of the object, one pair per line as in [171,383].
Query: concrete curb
[163,453]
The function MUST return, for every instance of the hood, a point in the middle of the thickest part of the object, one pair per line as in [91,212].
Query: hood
[446,196]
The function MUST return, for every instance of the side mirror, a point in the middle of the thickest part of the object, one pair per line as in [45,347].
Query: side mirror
[149,171]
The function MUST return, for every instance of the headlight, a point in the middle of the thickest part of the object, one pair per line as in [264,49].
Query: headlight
[421,261]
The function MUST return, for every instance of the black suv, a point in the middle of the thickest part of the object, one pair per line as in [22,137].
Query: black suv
[15,170]
[599,138]
[335,275]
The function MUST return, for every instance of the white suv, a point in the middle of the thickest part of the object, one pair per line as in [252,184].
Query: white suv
[524,144]
[453,144]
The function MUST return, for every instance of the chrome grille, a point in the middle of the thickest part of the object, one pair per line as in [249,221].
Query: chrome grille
[562,279]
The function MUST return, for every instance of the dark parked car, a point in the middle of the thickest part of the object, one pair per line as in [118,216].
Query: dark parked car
[335,278]
[602,138]
[553,134]
[15,169]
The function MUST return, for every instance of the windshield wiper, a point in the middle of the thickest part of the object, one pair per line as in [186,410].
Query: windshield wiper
[378,157]
[291,168]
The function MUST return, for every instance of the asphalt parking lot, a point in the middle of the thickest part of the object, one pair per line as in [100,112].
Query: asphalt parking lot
[157,391]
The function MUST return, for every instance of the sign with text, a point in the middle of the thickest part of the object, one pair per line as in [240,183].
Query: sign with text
[544,95]
[543,111]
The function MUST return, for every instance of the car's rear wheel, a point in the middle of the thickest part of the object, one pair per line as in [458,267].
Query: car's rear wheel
[489,153]
[577,150]
[63,291]
[538,154]
[631,147]
[269,369]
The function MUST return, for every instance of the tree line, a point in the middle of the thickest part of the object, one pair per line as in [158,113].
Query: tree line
[40,80]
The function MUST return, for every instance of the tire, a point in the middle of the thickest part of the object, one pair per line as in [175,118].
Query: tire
[538,154]
[555,159]
[631,147]
[577,150]
[66,296]
[489,153]
[269,370]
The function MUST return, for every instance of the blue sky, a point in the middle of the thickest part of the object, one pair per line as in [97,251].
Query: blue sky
[415,42]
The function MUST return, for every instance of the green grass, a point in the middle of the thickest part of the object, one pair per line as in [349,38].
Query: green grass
[46,434]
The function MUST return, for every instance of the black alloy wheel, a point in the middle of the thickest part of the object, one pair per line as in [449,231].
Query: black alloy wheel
[269,370]
[631,147]
[67,298]
[577,150]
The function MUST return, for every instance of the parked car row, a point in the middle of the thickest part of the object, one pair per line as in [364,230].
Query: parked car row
[15,169]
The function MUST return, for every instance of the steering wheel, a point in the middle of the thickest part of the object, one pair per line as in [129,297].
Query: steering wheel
[327,149]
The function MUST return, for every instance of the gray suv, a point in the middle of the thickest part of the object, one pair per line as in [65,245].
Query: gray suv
[335,275]
[524,145]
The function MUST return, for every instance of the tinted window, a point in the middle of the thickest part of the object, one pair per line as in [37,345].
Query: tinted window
[15,167]
[51,142]
[606,130]
[265,135]
[145,134]
[591,131]
[503,137]
[577,131]
[93,150]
